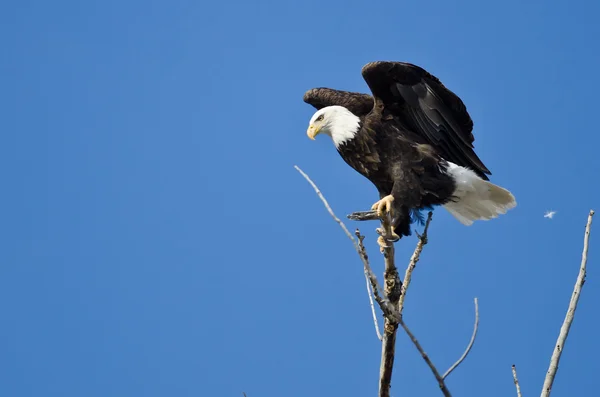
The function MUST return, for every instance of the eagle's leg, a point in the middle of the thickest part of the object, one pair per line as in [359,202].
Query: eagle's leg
[382,243]
[386,203]
[384,239]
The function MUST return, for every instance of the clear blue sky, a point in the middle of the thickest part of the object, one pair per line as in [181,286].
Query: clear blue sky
[158,242]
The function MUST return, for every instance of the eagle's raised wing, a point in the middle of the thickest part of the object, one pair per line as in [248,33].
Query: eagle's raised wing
[357,103]
[430,109]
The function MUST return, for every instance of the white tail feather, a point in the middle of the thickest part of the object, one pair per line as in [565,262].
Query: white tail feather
[476,199]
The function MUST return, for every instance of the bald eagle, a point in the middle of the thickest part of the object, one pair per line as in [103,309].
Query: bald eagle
[413,140]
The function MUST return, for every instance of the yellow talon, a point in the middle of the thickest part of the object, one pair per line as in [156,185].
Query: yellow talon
[383,243]
[386,203]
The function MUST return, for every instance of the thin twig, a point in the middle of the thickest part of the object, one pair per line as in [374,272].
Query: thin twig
[328,207]
[564,329]
[360,238]
[413,262]
[434,370]
[514,371]
[372,307]
[468,349]
[382,300]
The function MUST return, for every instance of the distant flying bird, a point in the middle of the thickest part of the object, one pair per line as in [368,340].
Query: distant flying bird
[413,140]
[549,214]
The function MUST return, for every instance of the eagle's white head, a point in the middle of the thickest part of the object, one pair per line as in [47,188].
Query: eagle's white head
[336,121]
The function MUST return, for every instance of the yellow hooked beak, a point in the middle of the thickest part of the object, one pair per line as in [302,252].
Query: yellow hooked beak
[313,131]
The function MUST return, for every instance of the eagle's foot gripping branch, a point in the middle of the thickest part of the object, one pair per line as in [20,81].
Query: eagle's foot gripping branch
[377,213]
[382,244]
[383,239]
[384,203]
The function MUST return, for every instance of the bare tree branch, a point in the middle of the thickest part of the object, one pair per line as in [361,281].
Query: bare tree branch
[462,358]
[388,352]
[436,373]
[441,379]
[564,329]
[364,216]
[382,300]
[377,331]
[360,238]
[396,291]
[514,371]
[391,301]
[393,290]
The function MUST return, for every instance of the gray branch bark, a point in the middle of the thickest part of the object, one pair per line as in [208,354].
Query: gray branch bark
[396,291]
[469,346]
[436,373]
[516,380]
[363,251]
[566,326]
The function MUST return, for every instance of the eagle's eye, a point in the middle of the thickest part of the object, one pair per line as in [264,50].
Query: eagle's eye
[319,118]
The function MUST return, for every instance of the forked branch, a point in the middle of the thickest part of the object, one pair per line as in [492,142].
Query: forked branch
[469,346]
[441,379]
[397,295]
[391,300]
[436,373]
[381,299]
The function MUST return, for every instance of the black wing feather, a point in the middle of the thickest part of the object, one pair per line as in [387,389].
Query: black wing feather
[433,111]
[449,151]
[358,103]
